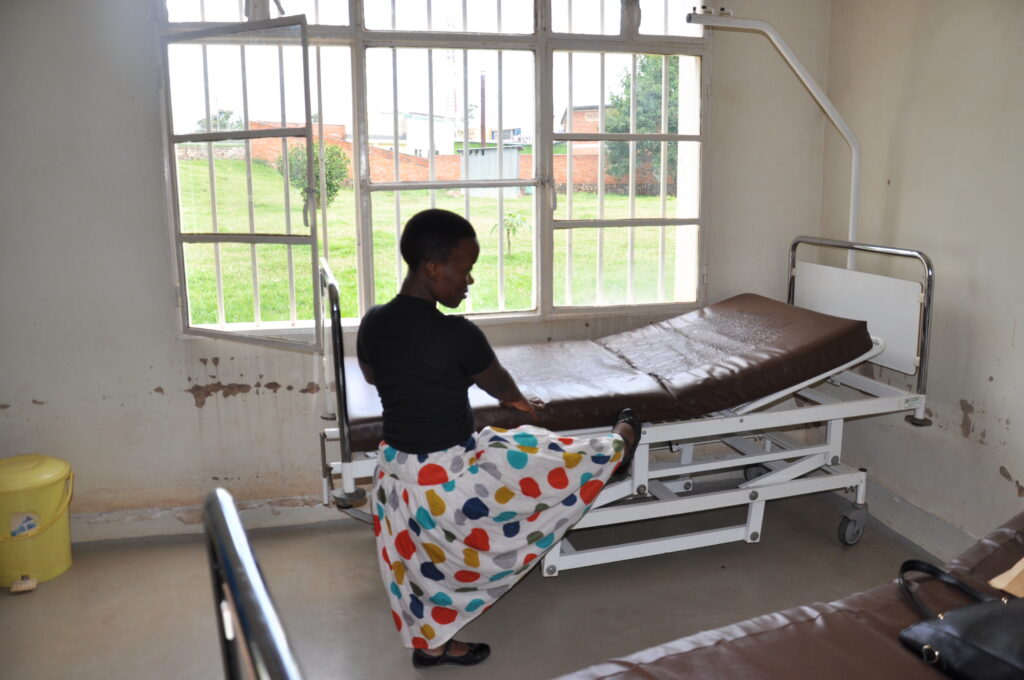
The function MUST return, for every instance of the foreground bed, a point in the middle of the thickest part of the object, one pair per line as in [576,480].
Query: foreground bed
[854,637]
[746,385]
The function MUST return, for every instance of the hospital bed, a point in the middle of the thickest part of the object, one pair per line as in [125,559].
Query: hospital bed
[743,401]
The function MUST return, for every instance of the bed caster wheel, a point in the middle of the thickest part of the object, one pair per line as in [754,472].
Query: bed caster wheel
[344,501]
[850,531]
[751,472]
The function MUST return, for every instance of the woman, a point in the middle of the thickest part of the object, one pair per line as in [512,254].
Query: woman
[461,516]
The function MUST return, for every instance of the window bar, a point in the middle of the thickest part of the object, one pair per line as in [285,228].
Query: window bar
[480,112]
[600,179]
[321,148]
[257,306]
[395,164]
[630,292]
[570,179]
[287,184]
[663,190]
[465,115]
[395,158]
[501,175]
[431,150]
[213,189]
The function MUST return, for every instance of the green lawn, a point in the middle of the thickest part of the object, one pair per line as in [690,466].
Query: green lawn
[272,261]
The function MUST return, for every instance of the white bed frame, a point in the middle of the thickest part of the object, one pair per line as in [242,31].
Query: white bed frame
[784,445]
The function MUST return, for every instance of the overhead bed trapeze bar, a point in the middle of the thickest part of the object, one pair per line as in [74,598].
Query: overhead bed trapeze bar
[722,18]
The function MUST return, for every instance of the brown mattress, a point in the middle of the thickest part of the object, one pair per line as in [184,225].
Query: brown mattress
[718,357]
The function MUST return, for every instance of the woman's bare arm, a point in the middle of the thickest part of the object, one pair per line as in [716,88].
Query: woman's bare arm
[496,381]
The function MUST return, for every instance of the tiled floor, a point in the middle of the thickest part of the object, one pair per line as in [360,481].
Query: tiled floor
[143,608]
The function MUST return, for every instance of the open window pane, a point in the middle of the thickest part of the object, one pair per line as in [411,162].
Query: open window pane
[247,191]
[238,186]
[267,285]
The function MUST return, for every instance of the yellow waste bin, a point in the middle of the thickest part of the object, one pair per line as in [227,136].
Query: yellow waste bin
[35,536]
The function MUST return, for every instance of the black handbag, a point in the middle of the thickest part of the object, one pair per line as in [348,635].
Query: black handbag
[983,641]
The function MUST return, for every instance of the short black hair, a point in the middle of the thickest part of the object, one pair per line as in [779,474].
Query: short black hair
[432,235]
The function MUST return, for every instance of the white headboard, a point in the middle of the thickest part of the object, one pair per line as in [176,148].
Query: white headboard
[892,307]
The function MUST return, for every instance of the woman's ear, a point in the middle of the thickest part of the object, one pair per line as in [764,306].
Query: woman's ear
[432,270]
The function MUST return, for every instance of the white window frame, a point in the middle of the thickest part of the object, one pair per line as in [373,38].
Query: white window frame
[260,337]
[544,42]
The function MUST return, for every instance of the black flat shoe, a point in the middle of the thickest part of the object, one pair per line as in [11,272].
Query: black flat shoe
[629,417]
[477,652]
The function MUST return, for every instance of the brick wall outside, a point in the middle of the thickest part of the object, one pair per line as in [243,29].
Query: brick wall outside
[449,167]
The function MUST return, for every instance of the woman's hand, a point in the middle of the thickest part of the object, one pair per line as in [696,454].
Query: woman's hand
[525,405]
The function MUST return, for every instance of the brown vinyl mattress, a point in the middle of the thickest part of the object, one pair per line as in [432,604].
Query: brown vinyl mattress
[718,357]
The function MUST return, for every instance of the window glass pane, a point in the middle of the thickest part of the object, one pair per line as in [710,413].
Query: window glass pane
[477,16]
[595,78]
[662,17]
[237,83]
[238,192]
[663,188]
[594,17]
[594,73]
[623,265]
[219,279]
[277,265]
[504,271]
[337,220]
[223,289]
[466,98]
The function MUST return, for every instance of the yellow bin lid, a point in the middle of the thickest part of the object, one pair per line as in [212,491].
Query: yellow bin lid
[31,471]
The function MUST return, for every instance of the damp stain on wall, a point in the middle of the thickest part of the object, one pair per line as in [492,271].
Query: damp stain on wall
[1005,474]
[965,422]
[202,392]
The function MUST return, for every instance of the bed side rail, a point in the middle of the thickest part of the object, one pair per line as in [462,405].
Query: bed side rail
[919,334]
[252,640]
[343,497]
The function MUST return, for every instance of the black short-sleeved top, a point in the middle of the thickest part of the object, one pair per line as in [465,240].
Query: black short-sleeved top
[422,361]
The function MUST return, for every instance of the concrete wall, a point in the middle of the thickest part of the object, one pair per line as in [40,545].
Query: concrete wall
[91,368]
[932,88]
[763,162]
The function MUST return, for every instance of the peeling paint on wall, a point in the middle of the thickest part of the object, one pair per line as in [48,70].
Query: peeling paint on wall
[4,406]
[965,422]
[273,386]
[1005,474]
[38,403]
[158,389]
[201,392]
[310,388]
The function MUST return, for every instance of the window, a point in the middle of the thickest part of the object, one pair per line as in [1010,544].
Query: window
[572,141]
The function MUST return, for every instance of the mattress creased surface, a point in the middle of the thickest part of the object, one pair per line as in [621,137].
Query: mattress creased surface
[721,356]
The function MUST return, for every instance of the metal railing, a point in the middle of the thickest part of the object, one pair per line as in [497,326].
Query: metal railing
[344,498]
[252,640]
[924,335]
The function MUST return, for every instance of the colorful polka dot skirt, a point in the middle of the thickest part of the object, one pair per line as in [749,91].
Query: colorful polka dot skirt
[457,528]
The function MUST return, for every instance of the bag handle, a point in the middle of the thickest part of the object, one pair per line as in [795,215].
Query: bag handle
[940,574]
